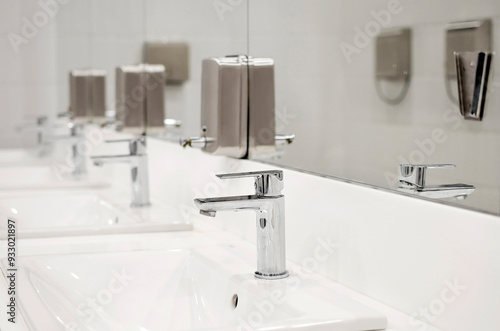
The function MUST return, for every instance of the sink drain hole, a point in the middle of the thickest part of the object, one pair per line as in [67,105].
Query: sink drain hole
[235,301]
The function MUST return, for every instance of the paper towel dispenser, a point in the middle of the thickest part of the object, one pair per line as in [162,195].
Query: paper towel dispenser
[465,36]
[473,69]
[173,55]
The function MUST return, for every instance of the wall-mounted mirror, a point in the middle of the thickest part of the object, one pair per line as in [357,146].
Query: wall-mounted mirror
[325,55]
[325,76]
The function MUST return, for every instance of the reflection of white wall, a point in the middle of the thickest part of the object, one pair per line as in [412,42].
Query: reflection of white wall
[27,78]
[197,23]
[105,34]
[352,132]
[74,49]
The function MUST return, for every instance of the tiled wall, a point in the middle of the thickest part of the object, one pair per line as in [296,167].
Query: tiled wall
[209,33]
[342,127]
[28,85]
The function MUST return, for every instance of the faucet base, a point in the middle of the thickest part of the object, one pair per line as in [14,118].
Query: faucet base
[282,275]
[457,191]
[139,205]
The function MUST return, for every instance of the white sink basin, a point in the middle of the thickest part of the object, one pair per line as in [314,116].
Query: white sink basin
[50,215]
[203,288]
[44,177]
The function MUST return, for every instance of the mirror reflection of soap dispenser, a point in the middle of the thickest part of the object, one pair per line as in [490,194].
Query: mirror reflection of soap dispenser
[87,89]
[238,108]
[140,97]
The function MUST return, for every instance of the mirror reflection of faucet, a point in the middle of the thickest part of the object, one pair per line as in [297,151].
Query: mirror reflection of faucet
[74,139]
[138,160]
[41,128]
[412,180]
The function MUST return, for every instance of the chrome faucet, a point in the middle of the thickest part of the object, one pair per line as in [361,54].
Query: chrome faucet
[41,128]
[269,204]
[75,137]
[412,180]
[138,161]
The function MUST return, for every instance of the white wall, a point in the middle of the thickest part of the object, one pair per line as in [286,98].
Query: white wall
[342,127]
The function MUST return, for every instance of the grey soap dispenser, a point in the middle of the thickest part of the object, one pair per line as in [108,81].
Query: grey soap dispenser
[237,108]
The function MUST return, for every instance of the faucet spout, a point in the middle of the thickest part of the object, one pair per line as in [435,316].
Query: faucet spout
[104,159]
[235,203]
[208,213]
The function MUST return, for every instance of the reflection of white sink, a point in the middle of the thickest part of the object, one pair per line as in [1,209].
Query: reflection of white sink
[22,157]
[80,214]
[43,177]
[202,288]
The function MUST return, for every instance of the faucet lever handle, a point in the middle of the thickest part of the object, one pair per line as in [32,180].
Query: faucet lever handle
[137,145]
[415,174]
[267,183]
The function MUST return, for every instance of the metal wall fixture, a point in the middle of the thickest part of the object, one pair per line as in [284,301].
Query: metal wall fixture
[238,108]
[140,99]
[473,69]
[393,62]
[412,180]
[87,93]
[466,36]
[269,206]
[174,56]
